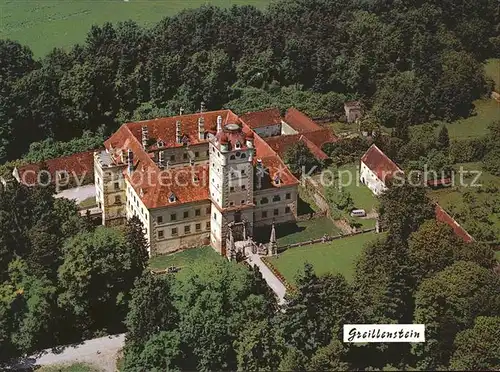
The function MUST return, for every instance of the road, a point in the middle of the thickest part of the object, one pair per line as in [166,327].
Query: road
[85,352]
[272,281]
[78,193]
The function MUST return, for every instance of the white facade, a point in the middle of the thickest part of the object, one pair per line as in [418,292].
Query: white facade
[369,178]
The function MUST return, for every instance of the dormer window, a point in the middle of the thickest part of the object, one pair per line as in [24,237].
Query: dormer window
[172,198]
[277,180]
[161,144]
[196,178]
[237,146]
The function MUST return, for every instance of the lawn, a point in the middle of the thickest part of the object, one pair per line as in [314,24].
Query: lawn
[189,260]
[486,111]
[453,196]
[338,256]
[44,24]
[88,203]
[297,232]
[348,176]
[492,70]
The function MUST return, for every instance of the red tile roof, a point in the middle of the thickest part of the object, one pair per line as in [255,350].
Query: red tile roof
[154,185]
[77,165]
[263,118]
[188,184]
[300,122]
[379,163]
[281,143]
[443,216]
[320,137]
[164,129]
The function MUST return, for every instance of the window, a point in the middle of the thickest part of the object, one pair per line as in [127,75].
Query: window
[231,204]
[232,157]
[238,154]
[264,201]
[242,172]
[242,202]
[288,196]
[160,234]
[276,198]
[243,156]
[186,214]
[197,212]
[208,210]
[184,156]
[173,217]
[196,154]
[231,189]
[243,187]
[117,186]
[187,229]
[287,209]
[215,216]
[264,214]
[207,225]
[276,212]
[172,157]
[198,226]
[208,153]
[174,231]
[118,200]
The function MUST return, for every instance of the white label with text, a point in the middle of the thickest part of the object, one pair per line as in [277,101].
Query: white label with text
[384,333]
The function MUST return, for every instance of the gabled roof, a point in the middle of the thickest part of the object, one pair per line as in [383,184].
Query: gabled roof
[164,129]
[300,121]
[262,118]
[443,216]
[188,185]
[379,163]
[282,143]
[80,165]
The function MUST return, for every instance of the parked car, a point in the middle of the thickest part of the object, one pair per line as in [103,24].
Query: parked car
[358,213]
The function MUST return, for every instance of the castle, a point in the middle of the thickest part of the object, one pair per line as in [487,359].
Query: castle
[209,177]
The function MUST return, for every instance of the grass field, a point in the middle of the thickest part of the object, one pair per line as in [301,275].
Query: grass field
[45,24]
[297,232]
[486,112]
[189,260]
[492,70]
[338,256]
[454,197]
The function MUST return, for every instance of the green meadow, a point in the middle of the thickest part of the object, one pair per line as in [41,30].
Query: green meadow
[45,24]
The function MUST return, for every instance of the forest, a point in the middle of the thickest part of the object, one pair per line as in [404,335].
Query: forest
[64,280]
[409,62]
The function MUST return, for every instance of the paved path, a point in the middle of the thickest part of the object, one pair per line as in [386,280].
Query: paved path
[78,193]
[85,352]
[271,280]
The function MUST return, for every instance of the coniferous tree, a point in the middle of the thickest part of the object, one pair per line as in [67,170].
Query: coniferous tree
[137,245]
[443,140]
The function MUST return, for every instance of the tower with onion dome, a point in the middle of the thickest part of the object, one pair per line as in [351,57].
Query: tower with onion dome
[231,172]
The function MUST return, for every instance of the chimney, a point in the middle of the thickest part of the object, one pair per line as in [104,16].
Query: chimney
[181,111]
[260,174]
[145,136]
[201,128]
[202,107]
[219,123]
[130,161]
[161,158]
[178,131]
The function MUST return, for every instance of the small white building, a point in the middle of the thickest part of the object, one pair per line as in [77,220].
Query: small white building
[376,169]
